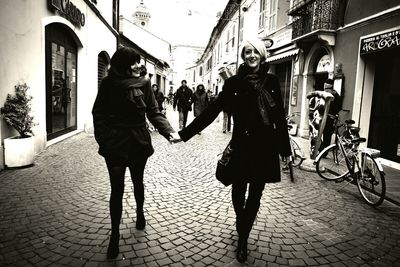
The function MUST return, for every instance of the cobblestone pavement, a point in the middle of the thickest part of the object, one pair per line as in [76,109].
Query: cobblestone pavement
[55,213]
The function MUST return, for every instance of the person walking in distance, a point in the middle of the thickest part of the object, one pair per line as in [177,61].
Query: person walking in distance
[259,136]
[159,97]
[226,123]
[200,100]
[183,100]
[123,100]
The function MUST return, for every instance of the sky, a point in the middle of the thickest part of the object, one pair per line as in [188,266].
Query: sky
[171,22]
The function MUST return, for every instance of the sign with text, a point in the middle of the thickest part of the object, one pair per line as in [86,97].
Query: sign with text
[380,42]
[68,10]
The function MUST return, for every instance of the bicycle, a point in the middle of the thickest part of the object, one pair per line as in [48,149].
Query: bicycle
[343,160]
[297,153]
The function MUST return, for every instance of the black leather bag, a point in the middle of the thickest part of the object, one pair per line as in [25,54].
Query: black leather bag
[225,169]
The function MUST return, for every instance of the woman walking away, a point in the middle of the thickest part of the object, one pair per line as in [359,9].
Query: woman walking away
[120,130]
[259,134]
[200,100]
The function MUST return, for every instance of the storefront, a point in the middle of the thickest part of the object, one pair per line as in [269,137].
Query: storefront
[379,80]
[282,65]
[313,65]
[61,49]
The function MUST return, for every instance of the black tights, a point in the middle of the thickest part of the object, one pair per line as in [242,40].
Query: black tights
[246,210]
[117,177]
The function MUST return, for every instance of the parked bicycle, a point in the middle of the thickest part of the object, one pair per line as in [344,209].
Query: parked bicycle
[344,160]
[297,153]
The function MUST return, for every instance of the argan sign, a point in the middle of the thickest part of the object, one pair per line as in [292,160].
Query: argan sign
[68,10]
[380,42]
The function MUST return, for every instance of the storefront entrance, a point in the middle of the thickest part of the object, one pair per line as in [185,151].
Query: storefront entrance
[384,131]
[61,79]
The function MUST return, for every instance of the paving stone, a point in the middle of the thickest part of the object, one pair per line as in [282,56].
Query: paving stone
[61,217]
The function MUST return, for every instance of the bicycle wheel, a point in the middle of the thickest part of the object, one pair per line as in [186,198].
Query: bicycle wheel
[371,181]
[298,156]
[331,165]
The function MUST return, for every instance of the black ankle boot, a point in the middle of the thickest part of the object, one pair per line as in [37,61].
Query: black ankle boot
[140,221]
[113,247]
[241,253]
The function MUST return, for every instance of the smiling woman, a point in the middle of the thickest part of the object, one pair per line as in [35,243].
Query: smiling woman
[259,136]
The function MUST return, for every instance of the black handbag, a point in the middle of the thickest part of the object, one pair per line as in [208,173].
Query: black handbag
[225,169]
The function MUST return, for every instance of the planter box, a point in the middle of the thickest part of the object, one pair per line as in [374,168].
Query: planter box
[19,152]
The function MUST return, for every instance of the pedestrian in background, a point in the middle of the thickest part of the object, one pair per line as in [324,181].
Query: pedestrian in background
[226,123]
[123,100]
[200,100]
[253,97]
[183,100]
[159,97]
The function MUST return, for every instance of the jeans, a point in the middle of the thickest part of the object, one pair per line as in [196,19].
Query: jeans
[183,118]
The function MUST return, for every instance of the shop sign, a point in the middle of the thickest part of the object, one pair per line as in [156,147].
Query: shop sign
[380,42]
[68,10]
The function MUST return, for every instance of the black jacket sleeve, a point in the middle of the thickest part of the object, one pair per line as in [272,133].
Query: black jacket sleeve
[204,119]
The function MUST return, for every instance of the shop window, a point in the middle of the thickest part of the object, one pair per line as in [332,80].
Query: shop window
[61,81]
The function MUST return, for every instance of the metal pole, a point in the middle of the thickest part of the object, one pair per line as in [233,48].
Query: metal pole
[238,37]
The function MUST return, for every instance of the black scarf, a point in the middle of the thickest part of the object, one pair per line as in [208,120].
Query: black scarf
[131,85]
[257,81]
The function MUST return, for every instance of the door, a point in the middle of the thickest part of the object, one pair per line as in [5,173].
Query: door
[384,131]
[61,82]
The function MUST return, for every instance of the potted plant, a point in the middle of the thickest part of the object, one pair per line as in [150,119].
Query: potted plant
[19,150]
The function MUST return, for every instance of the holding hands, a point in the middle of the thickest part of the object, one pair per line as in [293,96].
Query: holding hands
[174,138]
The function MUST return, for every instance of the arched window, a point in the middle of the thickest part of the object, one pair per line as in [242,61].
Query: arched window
[103,62]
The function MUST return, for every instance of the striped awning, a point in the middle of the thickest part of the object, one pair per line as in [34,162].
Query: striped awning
[283,55]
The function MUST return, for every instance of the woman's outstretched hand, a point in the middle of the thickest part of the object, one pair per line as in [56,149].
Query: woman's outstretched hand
[174,138]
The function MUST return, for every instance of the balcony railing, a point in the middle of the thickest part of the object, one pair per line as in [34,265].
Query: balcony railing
[315,15]
[297,6]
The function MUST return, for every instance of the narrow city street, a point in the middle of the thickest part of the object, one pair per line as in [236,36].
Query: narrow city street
[55,213]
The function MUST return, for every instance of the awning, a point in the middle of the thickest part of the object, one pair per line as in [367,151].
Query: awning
[283,55]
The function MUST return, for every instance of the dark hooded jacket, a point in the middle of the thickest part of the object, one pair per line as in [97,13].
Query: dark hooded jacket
[260,130]
[200,101]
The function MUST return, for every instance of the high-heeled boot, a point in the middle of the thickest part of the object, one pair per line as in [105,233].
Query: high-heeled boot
[140,220]
[113,246]
[241,252]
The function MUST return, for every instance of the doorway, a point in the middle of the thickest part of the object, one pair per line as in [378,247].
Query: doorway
[384,130]
[61,81]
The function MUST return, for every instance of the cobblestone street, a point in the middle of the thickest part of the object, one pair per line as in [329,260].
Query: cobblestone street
[55,213]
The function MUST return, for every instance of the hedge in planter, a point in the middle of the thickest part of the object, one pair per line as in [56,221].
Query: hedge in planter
[16,112]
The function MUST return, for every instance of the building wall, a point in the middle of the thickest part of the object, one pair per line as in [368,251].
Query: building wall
[360,9]
[149,42]
[352,62]
[22,58]
[183,57]
[350,38]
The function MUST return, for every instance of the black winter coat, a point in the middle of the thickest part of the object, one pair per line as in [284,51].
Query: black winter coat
[257,146]
[200,102]
[119,118]
[183,99]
